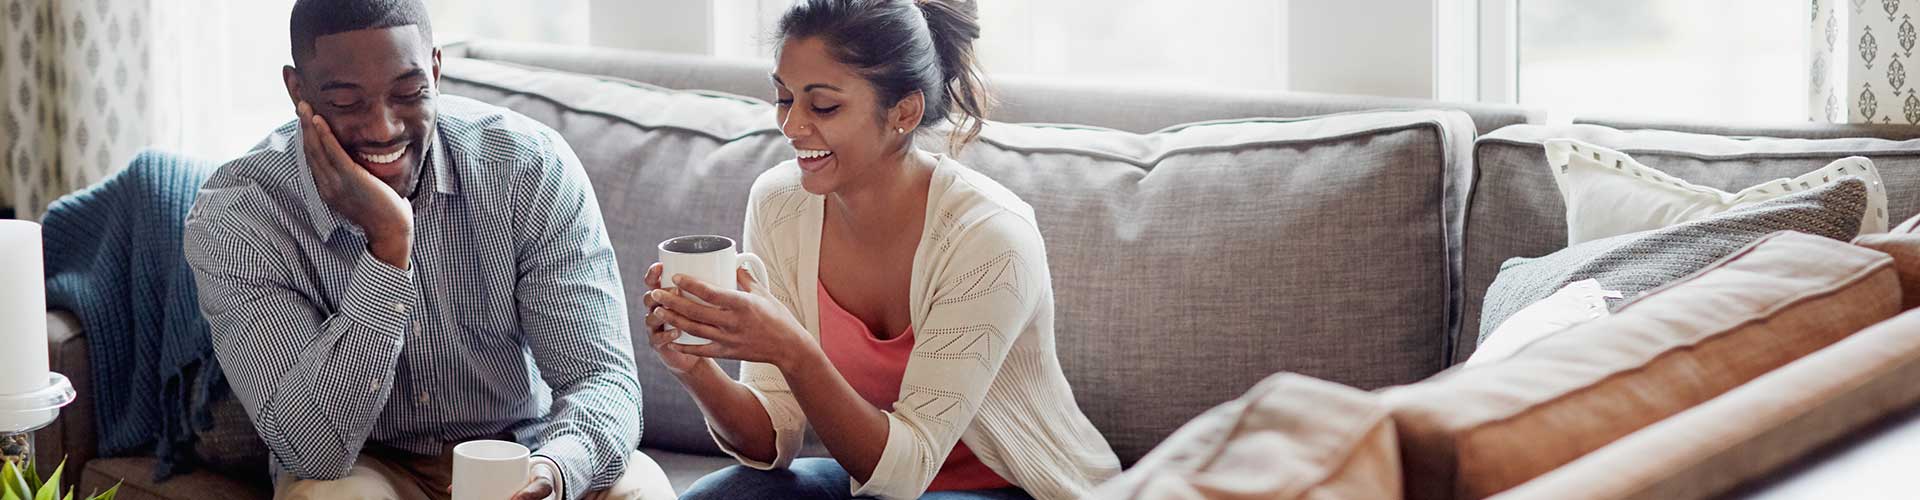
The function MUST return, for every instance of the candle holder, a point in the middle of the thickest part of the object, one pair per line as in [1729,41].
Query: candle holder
[23,413]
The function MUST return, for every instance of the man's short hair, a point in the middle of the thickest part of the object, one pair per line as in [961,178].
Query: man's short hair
[313,19]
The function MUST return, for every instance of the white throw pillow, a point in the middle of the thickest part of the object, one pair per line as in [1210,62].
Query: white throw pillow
[1608,193]
[1578,302]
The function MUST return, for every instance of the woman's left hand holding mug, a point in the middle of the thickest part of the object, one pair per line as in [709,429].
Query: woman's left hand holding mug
[746,326]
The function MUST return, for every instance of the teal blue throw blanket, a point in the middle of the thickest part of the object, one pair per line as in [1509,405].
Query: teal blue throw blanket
[113,258]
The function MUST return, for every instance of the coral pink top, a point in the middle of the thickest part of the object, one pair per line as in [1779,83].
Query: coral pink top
[874,368]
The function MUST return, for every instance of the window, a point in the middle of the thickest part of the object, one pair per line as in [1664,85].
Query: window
[546,21]
[1228,43]
[1700,60]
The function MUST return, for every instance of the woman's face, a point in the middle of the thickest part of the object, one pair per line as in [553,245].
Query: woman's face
[833,118]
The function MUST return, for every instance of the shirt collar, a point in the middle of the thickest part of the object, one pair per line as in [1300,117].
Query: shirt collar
[440,175]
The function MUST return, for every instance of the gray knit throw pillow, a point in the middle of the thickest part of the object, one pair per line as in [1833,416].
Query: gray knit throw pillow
[1635,263]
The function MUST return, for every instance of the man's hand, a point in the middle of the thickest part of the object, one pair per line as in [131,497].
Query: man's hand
[542,484]
[355,193]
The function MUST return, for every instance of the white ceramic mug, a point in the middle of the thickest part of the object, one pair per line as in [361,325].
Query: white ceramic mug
[487,469]
[710,259]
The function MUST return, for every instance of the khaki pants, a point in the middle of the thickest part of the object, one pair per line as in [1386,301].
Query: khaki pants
[385,474]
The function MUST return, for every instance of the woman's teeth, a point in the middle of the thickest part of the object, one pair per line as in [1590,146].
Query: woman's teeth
[385,158]
[811,153]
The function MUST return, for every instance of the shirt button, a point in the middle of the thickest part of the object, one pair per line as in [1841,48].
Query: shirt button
[399,308]
[374,386]
[422,396]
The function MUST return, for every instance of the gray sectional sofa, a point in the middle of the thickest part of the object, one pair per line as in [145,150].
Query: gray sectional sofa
[1200,241]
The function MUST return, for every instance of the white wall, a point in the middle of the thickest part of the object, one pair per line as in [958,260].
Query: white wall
[658,25]
[1377,47]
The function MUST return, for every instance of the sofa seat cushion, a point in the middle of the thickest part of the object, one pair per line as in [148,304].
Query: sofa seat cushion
[1473,432]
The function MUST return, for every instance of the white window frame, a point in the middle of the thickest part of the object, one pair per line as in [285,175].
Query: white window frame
[1476,51]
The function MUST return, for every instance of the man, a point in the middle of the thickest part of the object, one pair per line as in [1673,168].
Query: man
[398,272]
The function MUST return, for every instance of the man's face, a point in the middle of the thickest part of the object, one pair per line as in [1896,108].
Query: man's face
[375,88]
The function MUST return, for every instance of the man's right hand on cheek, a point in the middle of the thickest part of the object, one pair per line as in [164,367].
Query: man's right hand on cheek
[355,193]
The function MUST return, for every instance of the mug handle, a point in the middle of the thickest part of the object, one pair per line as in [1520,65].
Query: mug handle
[755,267]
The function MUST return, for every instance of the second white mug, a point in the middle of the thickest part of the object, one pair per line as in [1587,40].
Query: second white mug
[487,469]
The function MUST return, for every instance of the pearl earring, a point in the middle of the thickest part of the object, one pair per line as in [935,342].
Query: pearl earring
[900,130]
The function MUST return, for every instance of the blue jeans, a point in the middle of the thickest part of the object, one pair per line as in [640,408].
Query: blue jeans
[809,479]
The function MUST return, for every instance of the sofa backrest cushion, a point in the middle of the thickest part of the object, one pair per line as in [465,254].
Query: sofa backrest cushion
[1191,263]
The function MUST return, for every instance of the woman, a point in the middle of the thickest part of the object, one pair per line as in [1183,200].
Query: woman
[908,314]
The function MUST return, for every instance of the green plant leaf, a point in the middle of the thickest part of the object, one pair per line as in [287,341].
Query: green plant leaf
[51,489]
[69,494]
[7,494]
[32,476]
[11,483]
[111,492]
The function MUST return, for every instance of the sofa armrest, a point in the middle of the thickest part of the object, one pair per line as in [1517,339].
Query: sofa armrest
[72,435]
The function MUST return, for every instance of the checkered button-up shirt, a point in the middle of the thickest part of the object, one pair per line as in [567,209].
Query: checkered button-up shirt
[510,319]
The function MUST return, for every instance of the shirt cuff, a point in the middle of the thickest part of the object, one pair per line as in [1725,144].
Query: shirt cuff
[380,296]
[577,465]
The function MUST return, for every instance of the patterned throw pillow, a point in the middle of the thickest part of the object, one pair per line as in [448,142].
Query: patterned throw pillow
[1637,262]
[1607,193]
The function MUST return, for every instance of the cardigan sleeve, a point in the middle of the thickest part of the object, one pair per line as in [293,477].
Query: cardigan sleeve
[985,294]
[766,382]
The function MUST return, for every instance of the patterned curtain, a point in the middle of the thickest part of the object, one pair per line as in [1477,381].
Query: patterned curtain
[74,109]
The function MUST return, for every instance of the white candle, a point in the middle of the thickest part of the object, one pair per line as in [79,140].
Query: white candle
[23,309]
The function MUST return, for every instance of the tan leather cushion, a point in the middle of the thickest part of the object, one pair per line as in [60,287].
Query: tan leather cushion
[1470,433]
[1751,430]
[1903,243]
[1290,437]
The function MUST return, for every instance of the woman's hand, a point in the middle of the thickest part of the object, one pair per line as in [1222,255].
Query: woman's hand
[657,333]
[742,325]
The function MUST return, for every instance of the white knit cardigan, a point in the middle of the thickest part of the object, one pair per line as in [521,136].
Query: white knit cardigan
[983,368]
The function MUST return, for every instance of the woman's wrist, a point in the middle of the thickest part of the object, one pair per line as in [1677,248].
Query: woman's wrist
[702,373]
[800,358]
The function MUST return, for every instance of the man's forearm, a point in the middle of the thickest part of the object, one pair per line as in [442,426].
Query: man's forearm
[317,406]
